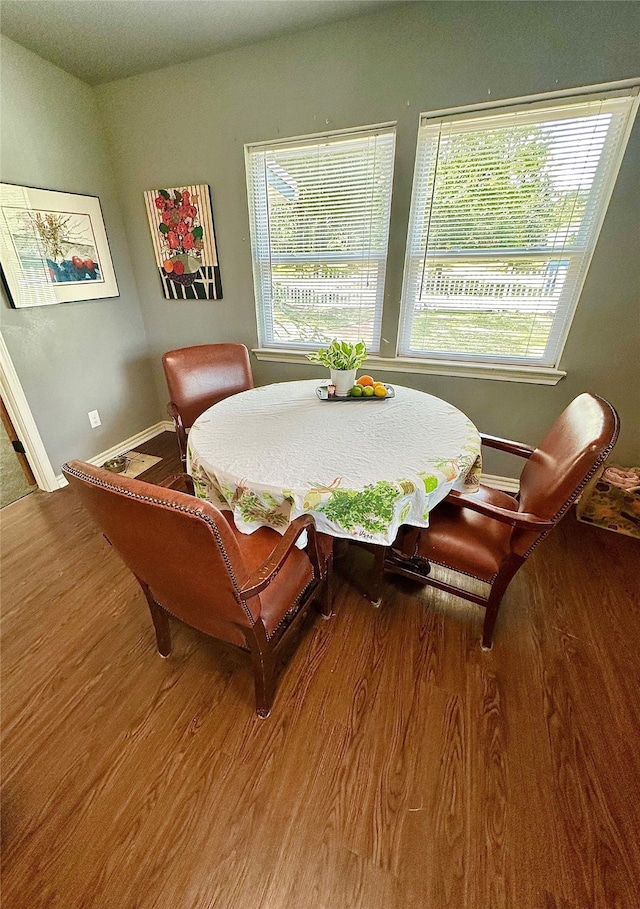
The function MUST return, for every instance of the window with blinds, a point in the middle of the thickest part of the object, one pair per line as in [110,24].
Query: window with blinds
[319,217]
[506,209]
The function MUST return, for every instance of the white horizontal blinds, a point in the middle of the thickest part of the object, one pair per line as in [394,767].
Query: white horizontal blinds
[319,225]
[505,214]
[260,249]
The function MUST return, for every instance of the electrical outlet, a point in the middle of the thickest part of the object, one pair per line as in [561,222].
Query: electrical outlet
[94,419]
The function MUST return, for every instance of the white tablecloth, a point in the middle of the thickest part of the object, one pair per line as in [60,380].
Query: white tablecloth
[362,467]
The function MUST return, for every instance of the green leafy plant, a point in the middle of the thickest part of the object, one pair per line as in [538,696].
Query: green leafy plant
[371,509]
[340,355]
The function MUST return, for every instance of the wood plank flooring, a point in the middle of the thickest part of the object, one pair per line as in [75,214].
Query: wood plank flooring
[401,766]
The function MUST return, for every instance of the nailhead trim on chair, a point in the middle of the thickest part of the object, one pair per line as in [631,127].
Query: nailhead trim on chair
[136,495]
[178,619]
[465,573]
[290,613]
[567,505]
[559,514]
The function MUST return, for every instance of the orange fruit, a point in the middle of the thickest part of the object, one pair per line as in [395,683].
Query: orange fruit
[168,266]
[365,380]
[379,390]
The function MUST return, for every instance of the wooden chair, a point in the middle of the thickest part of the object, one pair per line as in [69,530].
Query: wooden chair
[490,534]
[194,565]
[198,377]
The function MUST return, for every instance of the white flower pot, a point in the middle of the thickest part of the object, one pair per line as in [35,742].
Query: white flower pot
[344,380]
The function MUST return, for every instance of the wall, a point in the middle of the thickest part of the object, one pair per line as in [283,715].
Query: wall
[189,123]
[73,357]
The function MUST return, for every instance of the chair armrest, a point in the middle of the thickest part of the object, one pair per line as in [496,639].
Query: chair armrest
[514,448]
[520,519]
[265,574]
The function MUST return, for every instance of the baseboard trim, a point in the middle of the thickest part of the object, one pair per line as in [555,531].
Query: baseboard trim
[506,484]
[150,433]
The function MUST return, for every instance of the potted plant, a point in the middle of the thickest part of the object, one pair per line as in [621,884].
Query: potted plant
[343,360]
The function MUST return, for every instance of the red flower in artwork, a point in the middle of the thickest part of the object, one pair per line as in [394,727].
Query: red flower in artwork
[181,232]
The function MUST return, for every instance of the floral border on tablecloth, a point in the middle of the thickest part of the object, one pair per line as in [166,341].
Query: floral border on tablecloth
[373,513]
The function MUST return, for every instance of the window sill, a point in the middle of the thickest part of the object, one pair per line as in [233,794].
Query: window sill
[531,375]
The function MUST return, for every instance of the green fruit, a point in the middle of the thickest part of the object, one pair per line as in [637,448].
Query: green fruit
[356,391]
[367,391]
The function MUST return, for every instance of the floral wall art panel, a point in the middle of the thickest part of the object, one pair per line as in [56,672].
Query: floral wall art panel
[53,247]
[184,242]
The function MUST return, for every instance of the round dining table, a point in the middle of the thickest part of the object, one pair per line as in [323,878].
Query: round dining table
[361,466]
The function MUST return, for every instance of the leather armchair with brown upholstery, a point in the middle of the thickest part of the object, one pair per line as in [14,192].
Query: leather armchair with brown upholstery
[198,377]
[194,565]
[489,535]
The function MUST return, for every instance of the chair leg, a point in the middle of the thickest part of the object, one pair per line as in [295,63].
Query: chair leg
[498,589]
[490,616]
[387,559]
[264,669]
[160,621]
[326,596]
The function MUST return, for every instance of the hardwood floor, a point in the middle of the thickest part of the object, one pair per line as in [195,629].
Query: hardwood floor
[401,766]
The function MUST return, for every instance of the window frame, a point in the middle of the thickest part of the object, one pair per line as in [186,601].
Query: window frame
[397,362]
[263,257]
[579,257]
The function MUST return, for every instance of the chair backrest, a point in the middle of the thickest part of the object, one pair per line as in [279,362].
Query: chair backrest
[565,460]
[198,377]
[181,547]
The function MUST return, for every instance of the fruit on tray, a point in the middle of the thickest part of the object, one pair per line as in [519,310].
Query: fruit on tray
[367,387]
[378,390]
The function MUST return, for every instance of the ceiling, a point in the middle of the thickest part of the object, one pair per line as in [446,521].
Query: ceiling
[103,40]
